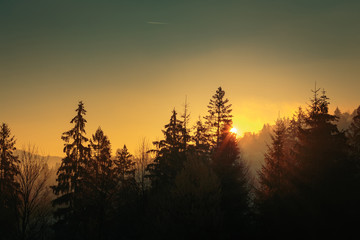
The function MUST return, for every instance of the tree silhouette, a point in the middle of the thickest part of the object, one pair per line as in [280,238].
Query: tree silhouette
[272,172]
[101,185]
[196,183]
[272,195]
[201,140]
[8,186]
[170,154]
[127,208]
[34,195]
[185,120]
[219,115]
[227,164]
[353,135]
[321,170]
[143,159]
[125,167]
[71,173]
[232,173]
[353,139]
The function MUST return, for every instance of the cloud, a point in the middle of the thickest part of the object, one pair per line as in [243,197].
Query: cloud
[157,23]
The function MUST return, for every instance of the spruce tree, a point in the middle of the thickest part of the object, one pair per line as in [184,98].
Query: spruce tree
[127,207]
[124,166]
[8,185]
[273,170]
[100,171]
[353,138]
[321,171]
[101,185]
[101,152]
[186,131]
[8,161]
[201,141]
[232,173]
[227,164]
[170,154]
[219,115]
[353,135]
[72,173]
[274,183]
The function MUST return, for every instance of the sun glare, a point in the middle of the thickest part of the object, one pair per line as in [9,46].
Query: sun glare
[233,130]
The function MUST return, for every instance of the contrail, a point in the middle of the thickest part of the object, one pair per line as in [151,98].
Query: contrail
[159,23]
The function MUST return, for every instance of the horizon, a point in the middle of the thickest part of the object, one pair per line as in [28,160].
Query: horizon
[133,148]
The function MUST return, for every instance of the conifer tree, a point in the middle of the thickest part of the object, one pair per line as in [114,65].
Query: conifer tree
[319,137]
[101,151]
[219,115]
[127,204]
[272,195]
[124,166]
[8,161]
[8,186]
[273,170]
[100,170]
[337,112]
[201,140]
[186,132]
[227,164]
[321,170]
[72,171]
[101,184]
[353,135]
[232,173]
[170,154]
[353,138]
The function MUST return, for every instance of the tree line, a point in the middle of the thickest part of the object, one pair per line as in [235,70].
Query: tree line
[193,183]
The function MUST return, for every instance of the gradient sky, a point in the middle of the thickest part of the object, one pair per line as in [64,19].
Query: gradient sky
[132,62]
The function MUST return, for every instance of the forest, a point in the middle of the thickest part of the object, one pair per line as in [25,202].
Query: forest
[193,183]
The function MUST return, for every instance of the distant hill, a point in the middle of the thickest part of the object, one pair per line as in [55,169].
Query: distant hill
[52,161]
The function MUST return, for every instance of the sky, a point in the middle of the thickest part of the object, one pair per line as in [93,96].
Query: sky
[132,62]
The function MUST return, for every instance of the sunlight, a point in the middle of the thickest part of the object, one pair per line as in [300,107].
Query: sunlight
[233,130]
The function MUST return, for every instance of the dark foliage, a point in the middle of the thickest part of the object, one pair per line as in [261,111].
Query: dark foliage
[71,178]
[196,184]
[8,186]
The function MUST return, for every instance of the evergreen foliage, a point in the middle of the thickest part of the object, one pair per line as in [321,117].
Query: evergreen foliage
[353,135]
[305,171]
[272,196]
[100,186]
[170,154]
[232,173]
[193,209]
[197,185]
[322,166]
[227,165]
[201,140]
[71,174]
[273,171]
[125,167]
[8,186]
[219,115]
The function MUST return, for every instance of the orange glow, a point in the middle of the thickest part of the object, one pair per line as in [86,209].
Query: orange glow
[233,130]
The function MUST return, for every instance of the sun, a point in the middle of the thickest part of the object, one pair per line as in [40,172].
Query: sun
[233,130]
